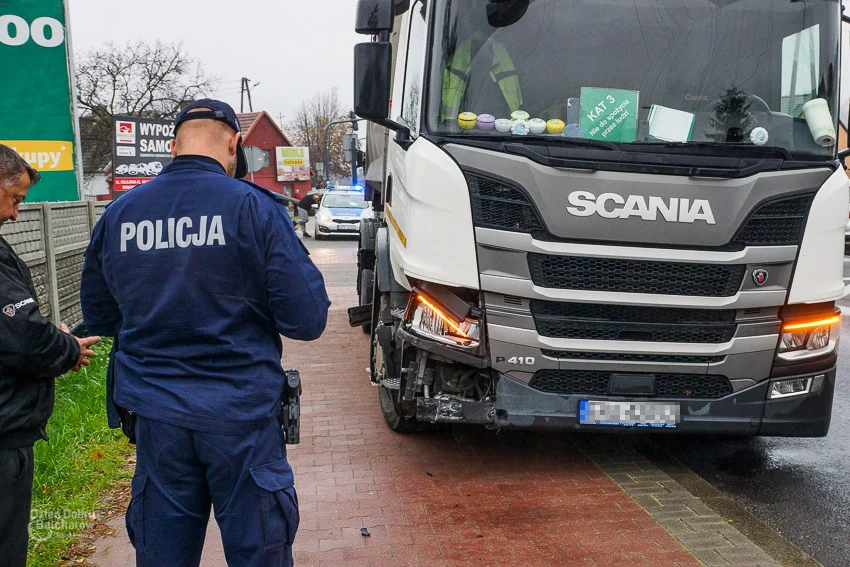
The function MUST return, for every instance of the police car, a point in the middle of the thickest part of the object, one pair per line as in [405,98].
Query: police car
[340,212]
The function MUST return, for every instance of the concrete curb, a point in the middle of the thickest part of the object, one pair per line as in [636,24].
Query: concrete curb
[713,540]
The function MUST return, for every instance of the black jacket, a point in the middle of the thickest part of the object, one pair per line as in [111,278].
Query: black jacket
[306,202]
[32,352]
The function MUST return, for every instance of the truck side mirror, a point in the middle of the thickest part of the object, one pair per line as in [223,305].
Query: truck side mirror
[372,69]
[374,17]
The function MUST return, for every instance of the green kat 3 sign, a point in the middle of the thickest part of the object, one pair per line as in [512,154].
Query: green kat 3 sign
[609,115]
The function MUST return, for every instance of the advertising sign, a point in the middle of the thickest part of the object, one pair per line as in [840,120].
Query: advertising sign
[35,101]
[142,148]
[293,164]
[609,114]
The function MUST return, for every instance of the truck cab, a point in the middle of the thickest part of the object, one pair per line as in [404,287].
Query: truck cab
[603,215]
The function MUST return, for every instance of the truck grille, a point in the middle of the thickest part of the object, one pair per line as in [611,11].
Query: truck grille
[627,357]
[635,276]
[631,323]
[500,206]
[593,383]
[776,223]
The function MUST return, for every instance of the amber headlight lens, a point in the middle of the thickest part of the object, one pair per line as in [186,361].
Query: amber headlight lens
[802,340]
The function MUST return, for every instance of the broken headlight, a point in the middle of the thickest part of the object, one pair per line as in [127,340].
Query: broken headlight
[428,319]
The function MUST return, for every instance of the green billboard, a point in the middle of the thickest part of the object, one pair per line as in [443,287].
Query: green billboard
[36,110]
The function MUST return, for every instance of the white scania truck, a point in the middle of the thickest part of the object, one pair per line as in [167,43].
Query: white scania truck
[603,214]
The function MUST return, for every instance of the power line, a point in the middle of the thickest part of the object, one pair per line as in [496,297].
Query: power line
[223,81]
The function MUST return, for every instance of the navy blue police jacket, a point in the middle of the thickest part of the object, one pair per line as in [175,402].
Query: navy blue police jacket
[202,273]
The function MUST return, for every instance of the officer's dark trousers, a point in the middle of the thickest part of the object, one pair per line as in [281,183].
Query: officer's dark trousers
[181,472]
[16,470]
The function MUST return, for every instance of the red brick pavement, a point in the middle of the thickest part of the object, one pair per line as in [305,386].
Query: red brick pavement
[461,496]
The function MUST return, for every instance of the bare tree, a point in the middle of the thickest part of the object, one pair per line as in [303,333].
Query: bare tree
[136,79]
[308,129]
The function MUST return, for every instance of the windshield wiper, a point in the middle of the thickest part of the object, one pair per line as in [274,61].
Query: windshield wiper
[565,141]
[721,148]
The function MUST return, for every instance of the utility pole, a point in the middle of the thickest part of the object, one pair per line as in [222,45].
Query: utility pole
[246,88]
[242,96]
[355,145]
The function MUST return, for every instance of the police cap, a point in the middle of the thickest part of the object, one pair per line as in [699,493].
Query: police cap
[221,111]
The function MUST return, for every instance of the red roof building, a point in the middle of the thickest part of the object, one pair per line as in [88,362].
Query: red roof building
[261,131]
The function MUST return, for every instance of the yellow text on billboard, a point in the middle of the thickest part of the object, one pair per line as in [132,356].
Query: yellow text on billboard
[44,155]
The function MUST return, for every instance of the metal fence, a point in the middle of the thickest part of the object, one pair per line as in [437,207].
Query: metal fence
[52,238]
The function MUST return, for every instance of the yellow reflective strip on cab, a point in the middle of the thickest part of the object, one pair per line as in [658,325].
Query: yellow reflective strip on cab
[398,231]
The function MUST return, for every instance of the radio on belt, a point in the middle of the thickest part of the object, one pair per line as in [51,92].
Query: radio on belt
[290,408]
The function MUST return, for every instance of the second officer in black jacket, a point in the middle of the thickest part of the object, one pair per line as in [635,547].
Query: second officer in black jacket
[32,353]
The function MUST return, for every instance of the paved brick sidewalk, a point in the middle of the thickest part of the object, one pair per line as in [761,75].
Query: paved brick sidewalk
[464,496]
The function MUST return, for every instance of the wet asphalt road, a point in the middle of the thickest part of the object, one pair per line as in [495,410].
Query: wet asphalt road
[799,487]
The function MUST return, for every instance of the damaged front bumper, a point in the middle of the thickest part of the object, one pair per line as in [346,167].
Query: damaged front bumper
[746,412]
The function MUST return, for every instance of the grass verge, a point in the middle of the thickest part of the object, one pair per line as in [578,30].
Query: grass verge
[82,460]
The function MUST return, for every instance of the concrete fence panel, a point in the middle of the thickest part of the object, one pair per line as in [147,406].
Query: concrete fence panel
[51,238]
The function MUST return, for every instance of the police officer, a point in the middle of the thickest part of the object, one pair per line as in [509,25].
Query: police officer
[32,352]
[202,272]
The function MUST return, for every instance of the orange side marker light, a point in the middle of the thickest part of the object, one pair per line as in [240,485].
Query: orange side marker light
[812,324]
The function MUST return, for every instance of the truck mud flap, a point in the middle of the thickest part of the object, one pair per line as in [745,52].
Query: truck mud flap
[360,315]
[452,410]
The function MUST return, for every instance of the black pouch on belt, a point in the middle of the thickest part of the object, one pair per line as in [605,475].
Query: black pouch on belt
[290,408]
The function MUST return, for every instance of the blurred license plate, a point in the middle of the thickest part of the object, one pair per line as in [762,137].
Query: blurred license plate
[346,227]
[629,414]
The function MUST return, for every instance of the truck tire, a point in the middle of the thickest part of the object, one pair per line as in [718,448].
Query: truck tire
[367,280]
[393,412]
[368,233]
[366,276]
[394,416]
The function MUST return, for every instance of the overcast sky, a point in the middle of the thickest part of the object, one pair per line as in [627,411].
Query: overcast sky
[293,48]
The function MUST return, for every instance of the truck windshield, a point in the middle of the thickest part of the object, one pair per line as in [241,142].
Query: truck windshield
[722,73]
